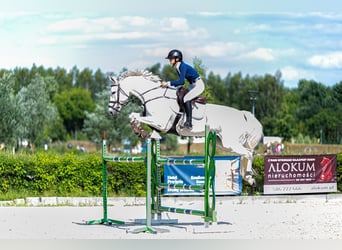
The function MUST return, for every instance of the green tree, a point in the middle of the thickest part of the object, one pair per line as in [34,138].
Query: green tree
[21,78]
[155,69]
[269,96]
[72,106]
[34,110]
[168,73]
[337,92]
[217,88]
[85,79]
[234,85]
[63,78]
[200,68]
[317,102]
[285,124]
[117,128]
[8,109]
[101,82]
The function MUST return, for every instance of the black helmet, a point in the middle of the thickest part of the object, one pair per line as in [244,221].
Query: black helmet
[175,53]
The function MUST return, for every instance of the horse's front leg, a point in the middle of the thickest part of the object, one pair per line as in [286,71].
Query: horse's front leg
[159,122]
[149,120]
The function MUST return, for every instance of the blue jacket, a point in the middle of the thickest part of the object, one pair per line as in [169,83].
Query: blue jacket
[185,72]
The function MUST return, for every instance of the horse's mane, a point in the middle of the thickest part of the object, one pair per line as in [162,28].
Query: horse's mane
[144,73]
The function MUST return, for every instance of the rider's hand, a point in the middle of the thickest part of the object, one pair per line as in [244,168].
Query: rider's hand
[164,84]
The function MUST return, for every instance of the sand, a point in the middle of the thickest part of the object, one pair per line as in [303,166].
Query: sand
[238,217]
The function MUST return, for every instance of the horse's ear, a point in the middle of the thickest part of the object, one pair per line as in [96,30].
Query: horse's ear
[113,79]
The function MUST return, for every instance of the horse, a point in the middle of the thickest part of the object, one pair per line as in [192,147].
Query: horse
[237,131]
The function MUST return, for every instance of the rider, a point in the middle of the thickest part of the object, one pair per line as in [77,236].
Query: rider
[185,71]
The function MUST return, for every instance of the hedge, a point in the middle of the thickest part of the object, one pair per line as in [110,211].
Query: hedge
[49,174]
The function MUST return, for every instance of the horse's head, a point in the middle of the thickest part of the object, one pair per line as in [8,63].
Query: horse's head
[138,83]
[118,97]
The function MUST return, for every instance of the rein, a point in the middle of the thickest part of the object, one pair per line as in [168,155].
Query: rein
[140,95]
[155,98]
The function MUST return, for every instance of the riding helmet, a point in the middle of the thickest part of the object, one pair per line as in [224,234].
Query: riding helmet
[175,53]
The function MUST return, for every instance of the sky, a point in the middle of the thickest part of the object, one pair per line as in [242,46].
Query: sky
[300,38]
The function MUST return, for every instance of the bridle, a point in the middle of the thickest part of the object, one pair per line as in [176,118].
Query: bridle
[117,102]
[119,91]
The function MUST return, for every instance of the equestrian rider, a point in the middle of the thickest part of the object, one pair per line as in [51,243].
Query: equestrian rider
[185,71]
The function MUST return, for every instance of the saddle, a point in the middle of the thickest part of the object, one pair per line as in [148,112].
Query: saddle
[181,92]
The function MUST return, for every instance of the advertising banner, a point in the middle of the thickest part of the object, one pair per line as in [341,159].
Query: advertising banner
[300,174]
[227,176]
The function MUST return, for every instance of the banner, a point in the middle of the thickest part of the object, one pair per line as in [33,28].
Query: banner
[300,174]
[227,176]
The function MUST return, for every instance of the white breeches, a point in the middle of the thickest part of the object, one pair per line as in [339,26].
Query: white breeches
[195,89]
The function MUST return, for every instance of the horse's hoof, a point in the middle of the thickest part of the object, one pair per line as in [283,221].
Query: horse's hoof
[251,181]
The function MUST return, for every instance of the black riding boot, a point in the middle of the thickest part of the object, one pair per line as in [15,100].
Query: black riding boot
[188,112]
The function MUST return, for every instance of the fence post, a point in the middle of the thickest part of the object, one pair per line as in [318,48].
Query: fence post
[210,151]
[149,161]
[105,219]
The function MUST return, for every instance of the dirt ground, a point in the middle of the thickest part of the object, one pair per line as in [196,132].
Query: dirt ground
[297,217]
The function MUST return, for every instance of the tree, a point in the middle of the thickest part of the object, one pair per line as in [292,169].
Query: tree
[21,78]
[337,92]
[200,68]
[101,82]
[72,106]
[63,78]
[316,99]
[8,109]
[217,88]
[234,86]
[285,124]
[117,128]
[34,110]
[85,79]
[155,69]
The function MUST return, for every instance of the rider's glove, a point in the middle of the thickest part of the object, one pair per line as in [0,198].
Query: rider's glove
[164,84]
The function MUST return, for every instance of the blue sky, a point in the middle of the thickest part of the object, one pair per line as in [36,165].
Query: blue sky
[302,39]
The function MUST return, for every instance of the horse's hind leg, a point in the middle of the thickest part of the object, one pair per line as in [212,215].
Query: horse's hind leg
[246,168]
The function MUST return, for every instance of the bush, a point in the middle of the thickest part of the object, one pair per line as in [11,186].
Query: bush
[51,174]
[127,179]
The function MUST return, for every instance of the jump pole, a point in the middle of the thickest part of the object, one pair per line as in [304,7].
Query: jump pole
[105,220]
[209,212]
[148,228]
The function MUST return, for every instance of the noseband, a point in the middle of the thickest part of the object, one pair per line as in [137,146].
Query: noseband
[117,101]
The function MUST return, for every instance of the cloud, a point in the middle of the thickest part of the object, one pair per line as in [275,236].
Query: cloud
[293,75]
[85,25]
[210,14]
[136,21]
[327,61]
[263,54]
[87,29]
[174,24]
[221,49]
